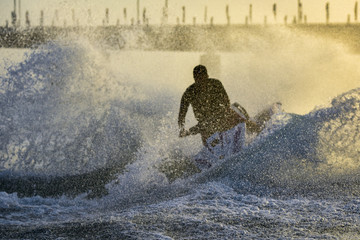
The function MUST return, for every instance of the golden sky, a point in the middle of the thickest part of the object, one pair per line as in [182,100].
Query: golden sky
[238,10]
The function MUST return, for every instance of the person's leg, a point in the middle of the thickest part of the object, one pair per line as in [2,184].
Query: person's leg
[239,138]
[204,136]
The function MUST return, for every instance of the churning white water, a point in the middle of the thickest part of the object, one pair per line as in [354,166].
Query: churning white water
[84,131]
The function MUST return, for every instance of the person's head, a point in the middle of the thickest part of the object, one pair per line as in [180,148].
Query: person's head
[200,73]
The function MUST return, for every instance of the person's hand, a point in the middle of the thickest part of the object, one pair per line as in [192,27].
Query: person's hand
[184,133]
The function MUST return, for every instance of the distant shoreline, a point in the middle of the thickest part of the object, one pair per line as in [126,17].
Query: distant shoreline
[176,37]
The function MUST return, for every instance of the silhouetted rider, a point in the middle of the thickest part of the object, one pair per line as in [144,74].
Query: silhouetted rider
[211,106]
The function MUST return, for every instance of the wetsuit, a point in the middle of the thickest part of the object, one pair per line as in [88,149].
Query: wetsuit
[211,106]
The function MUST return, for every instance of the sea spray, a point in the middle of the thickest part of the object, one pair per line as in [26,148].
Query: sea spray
[314,153]
[57,106]
[300,71]
[281,187]
[145,179]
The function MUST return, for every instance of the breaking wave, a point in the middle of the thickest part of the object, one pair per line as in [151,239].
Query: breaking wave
[69,124]
[67,121]
[317,152]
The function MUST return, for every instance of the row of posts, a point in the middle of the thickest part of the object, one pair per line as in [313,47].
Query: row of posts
[300,18]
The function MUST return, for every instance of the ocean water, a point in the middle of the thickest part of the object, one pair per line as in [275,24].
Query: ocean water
[85,131]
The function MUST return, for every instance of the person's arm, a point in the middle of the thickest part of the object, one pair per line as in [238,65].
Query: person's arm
[226,101]
[184,106]
[225,97]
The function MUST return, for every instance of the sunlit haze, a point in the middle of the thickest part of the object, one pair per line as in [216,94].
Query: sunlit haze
[238,10]
[112,128]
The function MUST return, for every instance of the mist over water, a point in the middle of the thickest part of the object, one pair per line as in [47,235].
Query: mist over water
[52,104]
[301,71]
[96,124]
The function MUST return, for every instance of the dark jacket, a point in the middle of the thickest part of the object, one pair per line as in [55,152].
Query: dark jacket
[211,106]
